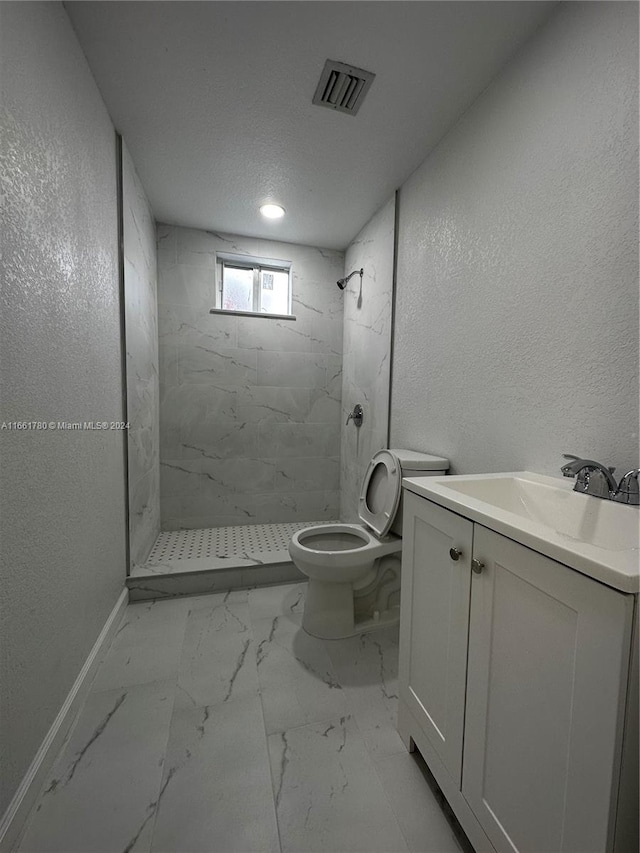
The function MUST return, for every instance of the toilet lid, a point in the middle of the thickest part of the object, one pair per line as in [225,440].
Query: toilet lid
[380,492]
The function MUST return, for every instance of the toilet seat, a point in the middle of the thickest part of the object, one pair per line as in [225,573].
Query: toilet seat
[336,576]
[364,547]
[380,494]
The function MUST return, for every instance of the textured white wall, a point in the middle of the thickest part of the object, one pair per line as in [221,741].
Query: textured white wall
[517,305]
[141,325]
[367,340]
[62,516]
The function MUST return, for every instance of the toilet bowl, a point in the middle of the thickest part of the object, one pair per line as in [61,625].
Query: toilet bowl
[354,569]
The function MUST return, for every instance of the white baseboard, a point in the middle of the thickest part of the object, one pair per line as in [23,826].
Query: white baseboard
[14,818]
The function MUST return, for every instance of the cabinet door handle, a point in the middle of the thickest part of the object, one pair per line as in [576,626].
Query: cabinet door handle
[477,566]
[455,553]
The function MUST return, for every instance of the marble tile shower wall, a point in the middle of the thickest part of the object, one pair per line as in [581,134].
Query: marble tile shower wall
[141,319]
[250,407]
[367,346]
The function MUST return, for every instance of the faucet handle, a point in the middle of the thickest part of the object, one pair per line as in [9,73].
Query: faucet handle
[628,491]
[596,483]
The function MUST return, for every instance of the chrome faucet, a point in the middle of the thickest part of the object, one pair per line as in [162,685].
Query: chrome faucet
[595,479]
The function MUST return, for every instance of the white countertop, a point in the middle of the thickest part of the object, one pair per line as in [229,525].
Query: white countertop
[597,537]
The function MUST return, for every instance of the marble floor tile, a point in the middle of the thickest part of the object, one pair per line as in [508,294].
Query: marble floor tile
[102,792]
[146,647]
[416,808]
[232,596]
[285,600]
[216,792]
[328,795]
[298,684]
[218,662]
[217,724]
[367,669]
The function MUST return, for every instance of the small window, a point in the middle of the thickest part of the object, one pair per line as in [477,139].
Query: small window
[249,285]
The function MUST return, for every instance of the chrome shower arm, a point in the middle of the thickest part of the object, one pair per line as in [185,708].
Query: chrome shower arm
[342,282]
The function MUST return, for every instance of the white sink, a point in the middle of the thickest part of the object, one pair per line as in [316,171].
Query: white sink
[598,537]
[604,524]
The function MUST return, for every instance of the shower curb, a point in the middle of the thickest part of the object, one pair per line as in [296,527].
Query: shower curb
[202,581]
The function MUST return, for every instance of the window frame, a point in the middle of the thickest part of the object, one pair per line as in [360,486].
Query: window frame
[258,265]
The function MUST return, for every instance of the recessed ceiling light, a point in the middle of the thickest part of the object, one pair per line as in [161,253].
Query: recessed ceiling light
[272,211]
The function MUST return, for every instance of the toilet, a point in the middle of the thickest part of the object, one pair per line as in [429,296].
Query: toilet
[354,569]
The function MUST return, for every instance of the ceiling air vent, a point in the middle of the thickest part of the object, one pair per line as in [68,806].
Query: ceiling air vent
[342,87]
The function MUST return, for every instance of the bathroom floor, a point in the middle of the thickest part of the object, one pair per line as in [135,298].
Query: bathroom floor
[216,724]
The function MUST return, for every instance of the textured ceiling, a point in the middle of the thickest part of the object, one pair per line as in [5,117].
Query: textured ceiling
[214,101]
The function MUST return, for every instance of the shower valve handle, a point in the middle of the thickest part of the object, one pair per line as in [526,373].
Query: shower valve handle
[357,414]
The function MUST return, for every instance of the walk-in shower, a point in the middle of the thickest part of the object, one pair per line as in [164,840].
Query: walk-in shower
[250,412]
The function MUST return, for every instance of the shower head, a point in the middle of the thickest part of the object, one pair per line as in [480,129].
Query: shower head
[342,282]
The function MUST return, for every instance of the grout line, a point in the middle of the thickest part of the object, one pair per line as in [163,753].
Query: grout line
[264,727]
[169,727]
[389,800]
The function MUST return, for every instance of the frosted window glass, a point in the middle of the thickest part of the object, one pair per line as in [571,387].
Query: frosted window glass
[237,291]
[274,292]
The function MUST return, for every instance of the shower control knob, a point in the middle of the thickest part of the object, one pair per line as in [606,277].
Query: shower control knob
[455,554]
[357,414]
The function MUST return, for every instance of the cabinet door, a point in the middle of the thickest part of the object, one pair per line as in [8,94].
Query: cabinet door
[434,624]
[548,660]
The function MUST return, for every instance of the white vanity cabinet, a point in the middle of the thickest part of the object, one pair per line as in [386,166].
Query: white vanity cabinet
[514,674]
[434,616]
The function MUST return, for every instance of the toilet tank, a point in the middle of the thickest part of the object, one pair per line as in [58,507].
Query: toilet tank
[416,464]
